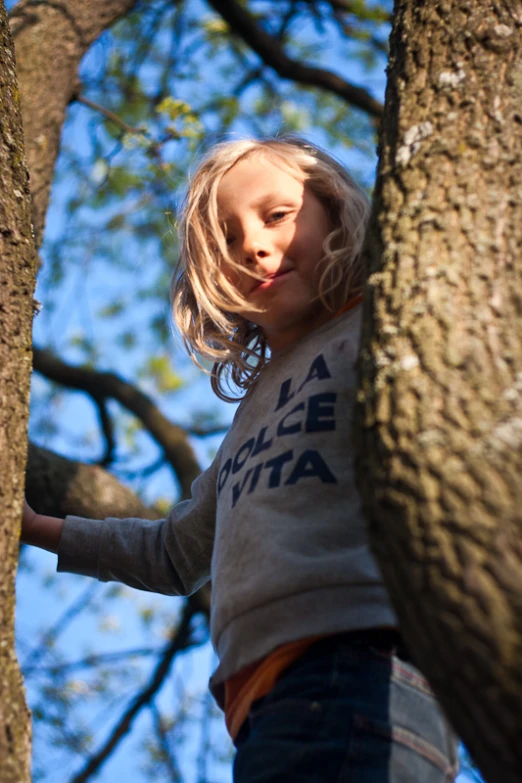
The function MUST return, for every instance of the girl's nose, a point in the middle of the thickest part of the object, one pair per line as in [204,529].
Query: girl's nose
[254,250]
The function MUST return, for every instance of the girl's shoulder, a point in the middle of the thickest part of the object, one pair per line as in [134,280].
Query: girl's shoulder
[331,350]
[334,344]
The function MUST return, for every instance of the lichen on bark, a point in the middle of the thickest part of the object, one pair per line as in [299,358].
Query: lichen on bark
[17,278]
[439,418]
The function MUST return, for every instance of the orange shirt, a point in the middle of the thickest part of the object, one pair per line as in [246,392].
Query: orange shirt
[258,679]
[350,304]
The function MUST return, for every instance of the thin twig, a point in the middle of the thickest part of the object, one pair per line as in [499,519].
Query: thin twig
[50,637]
[110,115]
[95,660]
[180,641]
[170,761]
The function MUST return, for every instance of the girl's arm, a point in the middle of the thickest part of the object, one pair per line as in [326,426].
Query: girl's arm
[171,555]
[39,530]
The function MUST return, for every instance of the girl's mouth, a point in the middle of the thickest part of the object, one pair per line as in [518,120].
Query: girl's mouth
[271,280]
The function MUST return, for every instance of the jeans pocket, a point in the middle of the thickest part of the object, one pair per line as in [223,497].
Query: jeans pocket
[409,757]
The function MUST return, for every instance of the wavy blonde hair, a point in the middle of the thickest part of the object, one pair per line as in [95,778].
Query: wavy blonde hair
[206,306]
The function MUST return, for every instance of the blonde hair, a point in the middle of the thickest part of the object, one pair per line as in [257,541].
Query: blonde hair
[206,306]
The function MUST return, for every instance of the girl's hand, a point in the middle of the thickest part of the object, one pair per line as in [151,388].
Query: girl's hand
[28,523]
[40,531]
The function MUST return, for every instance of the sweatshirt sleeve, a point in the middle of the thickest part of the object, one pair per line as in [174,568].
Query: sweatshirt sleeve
[170,556]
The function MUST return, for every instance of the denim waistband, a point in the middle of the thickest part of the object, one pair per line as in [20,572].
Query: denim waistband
[385,639]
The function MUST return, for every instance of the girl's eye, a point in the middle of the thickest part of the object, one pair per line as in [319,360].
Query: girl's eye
[230,241]
[277,216]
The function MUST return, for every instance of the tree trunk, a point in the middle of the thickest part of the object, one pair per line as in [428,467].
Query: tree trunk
[17,279]
[51,39]
[439,419]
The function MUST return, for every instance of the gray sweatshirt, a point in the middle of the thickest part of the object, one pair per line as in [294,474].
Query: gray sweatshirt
[275,521]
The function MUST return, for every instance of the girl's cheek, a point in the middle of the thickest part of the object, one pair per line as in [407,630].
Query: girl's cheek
[232,275]
[236,279]
[230,272]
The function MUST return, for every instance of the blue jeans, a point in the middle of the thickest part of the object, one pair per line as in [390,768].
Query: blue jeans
[347,712]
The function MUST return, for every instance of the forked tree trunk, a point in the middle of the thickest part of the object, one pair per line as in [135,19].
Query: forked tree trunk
[439,424]
[17,279]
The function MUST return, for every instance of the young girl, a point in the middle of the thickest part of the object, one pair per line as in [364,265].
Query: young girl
[313,677]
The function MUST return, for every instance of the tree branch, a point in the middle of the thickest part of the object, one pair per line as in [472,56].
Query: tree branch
[163,740]
[355,9]
[180,641]
[57,486]
[51,635]
[102,385]
[269,49]
[107,429]
[109,115]
[96,659]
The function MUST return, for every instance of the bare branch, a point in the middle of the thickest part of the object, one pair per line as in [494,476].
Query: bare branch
[205,741]
[348,31]
[96,659]
[107,429]
[348,6]
[140,473]
[52,634]
[163,740]
[181,640]
[269,49]
[102,385]
[207,432]
[110,115]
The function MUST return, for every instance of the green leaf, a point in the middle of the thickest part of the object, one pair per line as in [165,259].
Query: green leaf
[159,368]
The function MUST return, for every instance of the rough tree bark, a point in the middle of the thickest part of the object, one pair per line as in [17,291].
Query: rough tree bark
[17,280]
[58,486]
[440,402]
[50,40]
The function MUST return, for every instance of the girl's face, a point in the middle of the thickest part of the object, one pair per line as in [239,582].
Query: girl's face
[275,226]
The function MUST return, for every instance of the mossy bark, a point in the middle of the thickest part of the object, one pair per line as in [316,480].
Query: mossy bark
[17,280]
[439,417]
